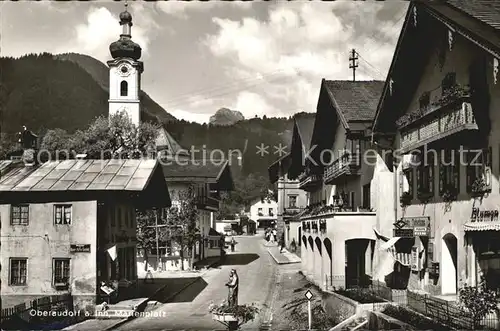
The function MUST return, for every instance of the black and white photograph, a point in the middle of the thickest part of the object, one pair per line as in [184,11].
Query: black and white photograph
[250,165]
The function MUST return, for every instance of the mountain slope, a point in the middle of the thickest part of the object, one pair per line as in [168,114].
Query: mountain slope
[99,71]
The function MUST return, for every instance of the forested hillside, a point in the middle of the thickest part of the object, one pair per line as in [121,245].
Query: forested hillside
[68,91]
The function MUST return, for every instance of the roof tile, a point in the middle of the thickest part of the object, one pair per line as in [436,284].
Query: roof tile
[357,100]
[486,11]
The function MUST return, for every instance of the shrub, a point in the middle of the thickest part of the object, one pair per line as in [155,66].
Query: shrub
[412,318]
[478,301]
[244,313]
[361,295]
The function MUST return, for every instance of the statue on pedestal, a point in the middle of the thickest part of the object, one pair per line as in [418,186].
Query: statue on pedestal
[232,284]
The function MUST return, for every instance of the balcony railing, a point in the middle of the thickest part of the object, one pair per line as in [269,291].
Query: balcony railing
[309,181]
[208,203]
[347,165]
[459,119]
[290,211]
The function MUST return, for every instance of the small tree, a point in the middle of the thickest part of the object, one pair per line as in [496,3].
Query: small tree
[478,301]
[146,231]
[182,221]
[105,138]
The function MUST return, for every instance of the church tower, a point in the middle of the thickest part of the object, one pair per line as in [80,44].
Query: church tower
[125,72]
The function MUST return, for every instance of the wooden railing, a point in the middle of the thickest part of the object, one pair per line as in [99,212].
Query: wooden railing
[448,123]
[347,164]
[207,202]
[307,180]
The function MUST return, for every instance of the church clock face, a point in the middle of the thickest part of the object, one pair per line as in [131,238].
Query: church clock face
[124,70]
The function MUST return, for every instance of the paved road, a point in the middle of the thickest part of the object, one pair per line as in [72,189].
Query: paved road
[189,310]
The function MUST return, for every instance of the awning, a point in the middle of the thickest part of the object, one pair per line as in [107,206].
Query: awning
[480,226]
[389,245]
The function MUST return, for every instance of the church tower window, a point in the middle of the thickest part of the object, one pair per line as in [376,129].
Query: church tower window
[123,88]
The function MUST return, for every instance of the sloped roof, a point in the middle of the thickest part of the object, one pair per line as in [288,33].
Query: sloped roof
[305,127]
[478,21]
[486,11]
[79,175]
[194,168]
[356,101]
[213,232]
[164,140]
[278,167]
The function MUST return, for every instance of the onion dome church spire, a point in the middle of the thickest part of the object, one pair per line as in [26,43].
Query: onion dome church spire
[125,47]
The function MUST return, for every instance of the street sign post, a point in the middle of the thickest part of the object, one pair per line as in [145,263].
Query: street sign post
[309,296]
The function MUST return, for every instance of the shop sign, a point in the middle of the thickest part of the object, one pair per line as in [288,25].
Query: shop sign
[80,248]
[484,215]
[412,227]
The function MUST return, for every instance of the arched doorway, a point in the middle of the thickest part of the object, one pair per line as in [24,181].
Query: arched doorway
[328,248]
[299,229]
[304,240]
[357,254]
[449,268]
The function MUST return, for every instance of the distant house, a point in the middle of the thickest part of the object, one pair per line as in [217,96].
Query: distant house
[208,178]
[68,225]
[291,199]
[264,211]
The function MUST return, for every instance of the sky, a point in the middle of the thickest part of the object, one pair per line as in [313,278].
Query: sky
[260,58]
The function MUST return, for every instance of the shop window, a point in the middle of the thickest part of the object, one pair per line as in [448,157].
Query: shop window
[60,272]
[449,166]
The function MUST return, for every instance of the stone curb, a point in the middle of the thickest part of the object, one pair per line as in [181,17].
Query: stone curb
[276,260]
[144,303]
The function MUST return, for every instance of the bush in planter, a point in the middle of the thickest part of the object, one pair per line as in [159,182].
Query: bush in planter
[405,199]
[478,188]
[412,318]
[243,313]
[361,295]
[424,196]
[478,301]
[450,193]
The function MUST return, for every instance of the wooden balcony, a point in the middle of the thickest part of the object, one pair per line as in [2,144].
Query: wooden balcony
[347,165]
[433,128]
[207,203]
[309,182]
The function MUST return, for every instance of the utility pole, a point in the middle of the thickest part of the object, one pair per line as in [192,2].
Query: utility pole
[157,241]
[353,63]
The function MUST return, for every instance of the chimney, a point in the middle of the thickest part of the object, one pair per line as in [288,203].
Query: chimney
[28,141]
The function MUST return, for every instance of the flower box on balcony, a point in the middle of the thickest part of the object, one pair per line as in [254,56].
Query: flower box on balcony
[441,124]
[450,193]
[479,188]
[424,196]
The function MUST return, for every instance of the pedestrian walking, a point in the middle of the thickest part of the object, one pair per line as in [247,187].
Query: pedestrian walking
[282,242]
[233,243]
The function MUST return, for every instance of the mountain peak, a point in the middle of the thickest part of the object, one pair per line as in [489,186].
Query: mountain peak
[226,116]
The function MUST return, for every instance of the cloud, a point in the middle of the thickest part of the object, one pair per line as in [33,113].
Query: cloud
[251,104]
[181,8]
[310,40]
[102,28]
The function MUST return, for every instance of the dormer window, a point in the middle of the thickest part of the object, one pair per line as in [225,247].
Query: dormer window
[123,88]
[449,81]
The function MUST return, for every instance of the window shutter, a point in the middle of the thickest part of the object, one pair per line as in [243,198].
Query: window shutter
[401,182]
[442,174]
[487,167]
